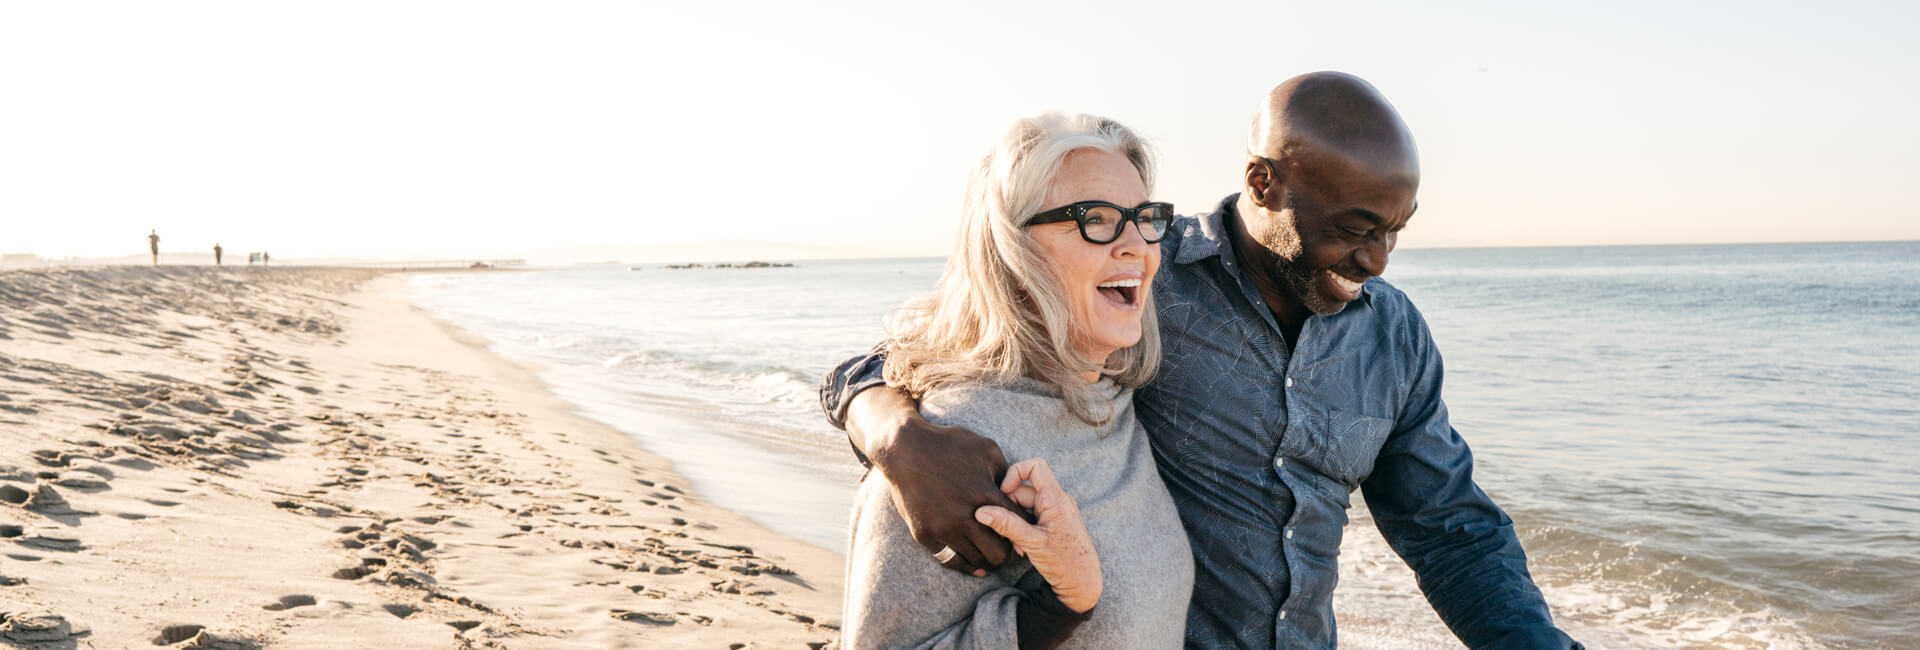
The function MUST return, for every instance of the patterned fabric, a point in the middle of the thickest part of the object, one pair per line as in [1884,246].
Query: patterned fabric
[1262,449]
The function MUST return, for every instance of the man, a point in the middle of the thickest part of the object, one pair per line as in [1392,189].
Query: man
[217,251]
[1291,377]
[153,245]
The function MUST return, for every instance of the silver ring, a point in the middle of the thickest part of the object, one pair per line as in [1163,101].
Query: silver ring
[945,555]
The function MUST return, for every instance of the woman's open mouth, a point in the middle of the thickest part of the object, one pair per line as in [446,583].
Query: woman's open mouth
[1125,293]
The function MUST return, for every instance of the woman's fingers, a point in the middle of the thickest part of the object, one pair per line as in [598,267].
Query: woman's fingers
[1011,526]
[1058,544]
[1041,476]
[1017,474]
[1027,480]
[1023,495]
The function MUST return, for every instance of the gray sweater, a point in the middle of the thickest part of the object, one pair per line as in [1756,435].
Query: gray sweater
[897,596]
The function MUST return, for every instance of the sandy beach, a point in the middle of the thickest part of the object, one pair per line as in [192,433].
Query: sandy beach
[297,458]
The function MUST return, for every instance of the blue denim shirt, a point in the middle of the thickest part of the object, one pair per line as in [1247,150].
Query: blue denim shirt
[1262,449]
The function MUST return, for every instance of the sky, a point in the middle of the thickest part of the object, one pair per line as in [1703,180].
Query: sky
[581,131]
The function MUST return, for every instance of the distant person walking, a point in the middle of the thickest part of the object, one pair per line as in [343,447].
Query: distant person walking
[265,259]
[216,253]
[153,244]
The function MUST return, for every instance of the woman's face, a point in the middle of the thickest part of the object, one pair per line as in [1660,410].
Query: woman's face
[1106,284]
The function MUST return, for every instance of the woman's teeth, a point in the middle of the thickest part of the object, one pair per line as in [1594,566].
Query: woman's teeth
[1120,290]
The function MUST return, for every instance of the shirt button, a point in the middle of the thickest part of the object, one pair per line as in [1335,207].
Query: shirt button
[1289,533]
[1280,462]
[1283,614]
[1289,382]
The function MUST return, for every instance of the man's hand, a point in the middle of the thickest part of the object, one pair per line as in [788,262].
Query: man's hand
[1058,544]
[940,475]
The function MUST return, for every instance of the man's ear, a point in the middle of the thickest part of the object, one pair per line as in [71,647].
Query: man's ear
[1263,183]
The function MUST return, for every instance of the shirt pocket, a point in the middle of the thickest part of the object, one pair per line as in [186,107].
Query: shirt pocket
[1339,445]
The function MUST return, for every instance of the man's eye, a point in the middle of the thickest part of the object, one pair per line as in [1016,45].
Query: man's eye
[1350,232]
[1095,219]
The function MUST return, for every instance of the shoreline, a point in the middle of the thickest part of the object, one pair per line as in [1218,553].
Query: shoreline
[526,373]
[302,458]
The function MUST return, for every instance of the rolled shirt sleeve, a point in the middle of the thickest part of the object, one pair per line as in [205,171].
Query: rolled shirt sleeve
[846,380]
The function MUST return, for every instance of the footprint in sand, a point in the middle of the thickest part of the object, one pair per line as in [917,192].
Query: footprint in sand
[400,611]
[290,602]
[649,618]
[38,630]
[83,481]
[197,636]
[50,543]
[54,458]
[134,462]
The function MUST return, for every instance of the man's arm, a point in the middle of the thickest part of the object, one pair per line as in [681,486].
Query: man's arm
[1423,498]
[939,474]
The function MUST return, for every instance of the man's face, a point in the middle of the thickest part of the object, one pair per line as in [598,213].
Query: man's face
[1330,223]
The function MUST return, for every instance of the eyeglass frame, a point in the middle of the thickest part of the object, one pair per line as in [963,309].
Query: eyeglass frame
[1077,213]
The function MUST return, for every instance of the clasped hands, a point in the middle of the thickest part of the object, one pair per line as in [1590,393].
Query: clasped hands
[943,481]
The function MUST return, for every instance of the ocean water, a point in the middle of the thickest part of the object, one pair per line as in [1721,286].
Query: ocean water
[1701,446]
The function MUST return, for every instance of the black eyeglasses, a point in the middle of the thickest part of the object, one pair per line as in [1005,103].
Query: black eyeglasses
[1101,222]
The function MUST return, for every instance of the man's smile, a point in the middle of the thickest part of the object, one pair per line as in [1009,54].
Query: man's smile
[1347,289]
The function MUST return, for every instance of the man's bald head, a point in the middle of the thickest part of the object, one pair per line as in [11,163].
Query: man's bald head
[1330,181]
[1334,117]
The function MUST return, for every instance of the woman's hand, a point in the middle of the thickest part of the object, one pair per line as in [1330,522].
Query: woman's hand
[1058,545]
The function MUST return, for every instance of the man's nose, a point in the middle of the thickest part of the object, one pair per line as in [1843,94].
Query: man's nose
[1372,257]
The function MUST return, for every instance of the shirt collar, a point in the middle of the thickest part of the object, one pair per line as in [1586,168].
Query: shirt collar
[1206,235]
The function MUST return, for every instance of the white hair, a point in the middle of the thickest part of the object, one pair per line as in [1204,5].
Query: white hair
[1000,311]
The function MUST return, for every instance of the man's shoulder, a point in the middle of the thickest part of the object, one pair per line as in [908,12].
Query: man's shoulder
[1197,236]
[1391,307]
[1181,229]
[1381,294]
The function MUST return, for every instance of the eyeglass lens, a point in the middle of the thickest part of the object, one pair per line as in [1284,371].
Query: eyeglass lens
[1103,223]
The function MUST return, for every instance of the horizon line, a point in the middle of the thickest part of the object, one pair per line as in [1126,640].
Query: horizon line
[28,260]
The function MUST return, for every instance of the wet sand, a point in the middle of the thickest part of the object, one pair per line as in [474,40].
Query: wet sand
[252,458]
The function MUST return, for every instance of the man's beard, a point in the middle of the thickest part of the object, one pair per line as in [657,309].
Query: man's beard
[1282,239]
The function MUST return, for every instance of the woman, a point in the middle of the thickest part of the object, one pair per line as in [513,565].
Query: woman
[1041,327]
